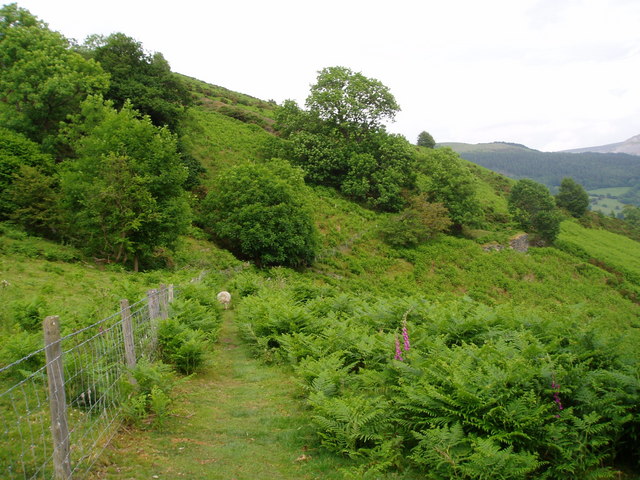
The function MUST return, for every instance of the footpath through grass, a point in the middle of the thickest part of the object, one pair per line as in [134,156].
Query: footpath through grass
[240,419]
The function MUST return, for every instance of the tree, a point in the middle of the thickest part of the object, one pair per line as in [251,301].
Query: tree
[351,102]
[572,197]
[35,202]
[632,215]
[259,213]
[142,78]
[17,151]
[416,224]
[426,140]
[43,80]
[446,179]
[340,140]
[533,207]
[123,195]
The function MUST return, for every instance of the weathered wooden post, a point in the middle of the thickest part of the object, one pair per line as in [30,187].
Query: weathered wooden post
[57,398]
[127,334]
[164,306]
[154,313]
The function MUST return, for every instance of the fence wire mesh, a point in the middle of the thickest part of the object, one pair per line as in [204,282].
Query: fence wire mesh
[96,383]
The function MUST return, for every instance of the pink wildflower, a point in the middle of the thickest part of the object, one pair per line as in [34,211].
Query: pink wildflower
[398,355]
[405,336]
[556,394]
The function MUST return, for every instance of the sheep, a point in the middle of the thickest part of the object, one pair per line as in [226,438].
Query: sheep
[224,298]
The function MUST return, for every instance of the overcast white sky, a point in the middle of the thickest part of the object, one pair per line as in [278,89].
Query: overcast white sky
[550,74]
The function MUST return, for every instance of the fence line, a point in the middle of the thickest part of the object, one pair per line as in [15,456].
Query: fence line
[59,417]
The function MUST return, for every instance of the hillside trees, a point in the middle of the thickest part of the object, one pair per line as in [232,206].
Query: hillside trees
[340,141]
[351,102]
[417,223]
[123,195]
[426,140]
[533,207]
[573,197]
[42,79]
[259,213]
[17,152]
[144,79]
[446,179]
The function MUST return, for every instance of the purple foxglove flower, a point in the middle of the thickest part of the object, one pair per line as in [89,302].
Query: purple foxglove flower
[405,336]
[398,355]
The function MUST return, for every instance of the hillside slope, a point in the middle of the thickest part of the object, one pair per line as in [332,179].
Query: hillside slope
[630,146]
[590,169]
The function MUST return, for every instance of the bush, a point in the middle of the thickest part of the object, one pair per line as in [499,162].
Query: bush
[415,225]
[259,213]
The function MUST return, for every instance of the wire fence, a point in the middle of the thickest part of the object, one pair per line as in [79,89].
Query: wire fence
[67,400]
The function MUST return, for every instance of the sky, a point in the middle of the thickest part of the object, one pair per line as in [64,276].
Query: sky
[549,74]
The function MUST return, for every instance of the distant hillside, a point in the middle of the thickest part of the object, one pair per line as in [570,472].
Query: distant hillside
[630,146]
[592,170]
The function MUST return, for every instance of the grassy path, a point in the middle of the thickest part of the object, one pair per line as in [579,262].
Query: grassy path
[239,420]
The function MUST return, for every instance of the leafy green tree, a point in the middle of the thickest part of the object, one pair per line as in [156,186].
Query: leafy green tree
[446,179]
[573,197]
[35,202]
[42,79]
[534,208]
[419,222]
[259,213]
[632,215]
[340,140]
[426,140]
[16,151]
[351,102]
[142,78]
[124,194]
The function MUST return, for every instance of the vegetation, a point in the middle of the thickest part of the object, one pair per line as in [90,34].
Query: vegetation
[533,207]
[43,80]
[143,79]
[572,197]
[340,141]
[426,140]
[421,346]
[258,212]
[592,170]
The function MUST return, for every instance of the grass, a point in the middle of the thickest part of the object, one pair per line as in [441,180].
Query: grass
[240,419]
[615,250]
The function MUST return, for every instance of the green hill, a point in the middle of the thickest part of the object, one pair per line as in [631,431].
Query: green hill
[592,170]
[435,352]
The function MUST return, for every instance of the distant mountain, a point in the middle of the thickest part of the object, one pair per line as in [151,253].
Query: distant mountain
[630,146]
[593,170]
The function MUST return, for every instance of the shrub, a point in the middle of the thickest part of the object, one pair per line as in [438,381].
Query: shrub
[259,213]
[415,225]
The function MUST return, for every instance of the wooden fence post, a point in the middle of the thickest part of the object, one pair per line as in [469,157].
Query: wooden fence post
[57,398]
[154,313]
[152,300]
[127,334]
[164,307]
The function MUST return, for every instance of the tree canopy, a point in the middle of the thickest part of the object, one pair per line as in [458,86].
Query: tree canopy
[124,193]
[446,179]
[259,213]
[533,207]
[573,197]
[351,102]
[43,80]
[426,140]
[340,140]
[143,78]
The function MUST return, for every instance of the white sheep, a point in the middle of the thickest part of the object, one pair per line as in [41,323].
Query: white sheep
[224,298]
